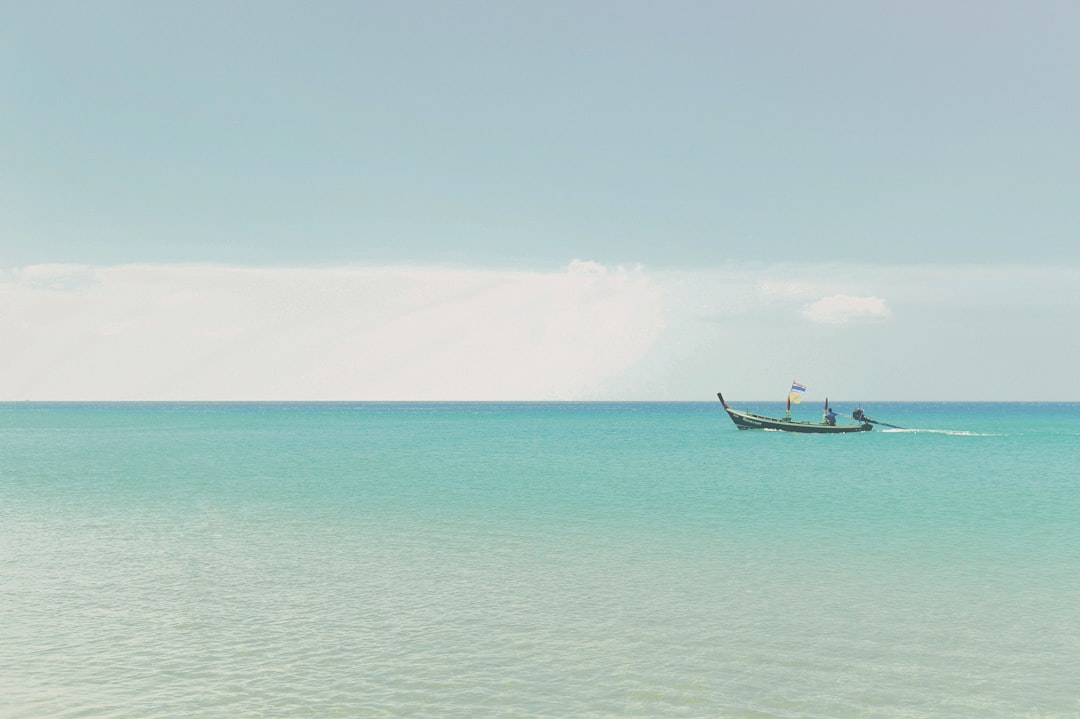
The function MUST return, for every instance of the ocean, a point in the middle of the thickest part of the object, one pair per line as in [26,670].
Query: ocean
[537,560]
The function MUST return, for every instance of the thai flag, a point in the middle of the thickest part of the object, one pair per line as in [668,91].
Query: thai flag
[796,387]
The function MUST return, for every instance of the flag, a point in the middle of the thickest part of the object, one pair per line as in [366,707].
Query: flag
[796,392]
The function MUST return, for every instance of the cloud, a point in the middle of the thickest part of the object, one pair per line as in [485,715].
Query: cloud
[50,277]
[583,331]
[841,309]
[586,267]
[212,332]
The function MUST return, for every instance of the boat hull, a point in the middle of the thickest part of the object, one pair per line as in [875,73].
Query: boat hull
[749,420]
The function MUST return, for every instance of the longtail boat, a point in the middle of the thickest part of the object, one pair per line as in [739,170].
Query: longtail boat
[749,420]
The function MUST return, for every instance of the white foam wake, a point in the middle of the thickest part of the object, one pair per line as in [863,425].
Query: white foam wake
[953,432]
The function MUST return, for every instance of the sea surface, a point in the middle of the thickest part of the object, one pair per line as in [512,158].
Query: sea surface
[537,560]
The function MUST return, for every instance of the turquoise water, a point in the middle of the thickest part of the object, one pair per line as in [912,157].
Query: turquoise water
[536,560]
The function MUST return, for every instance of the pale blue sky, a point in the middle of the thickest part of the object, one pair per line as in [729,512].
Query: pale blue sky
[557,200]
[507,133]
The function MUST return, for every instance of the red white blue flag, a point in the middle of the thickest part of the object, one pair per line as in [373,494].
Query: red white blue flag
[796,392]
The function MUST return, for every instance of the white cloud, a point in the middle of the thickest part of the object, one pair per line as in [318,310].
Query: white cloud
[585,267]
[841,309]
[50,276]
[585,331]
[203,332]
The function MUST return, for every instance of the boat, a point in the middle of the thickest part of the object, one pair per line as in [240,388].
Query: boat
[749,420]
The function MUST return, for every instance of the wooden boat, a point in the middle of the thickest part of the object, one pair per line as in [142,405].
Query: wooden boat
[749,420]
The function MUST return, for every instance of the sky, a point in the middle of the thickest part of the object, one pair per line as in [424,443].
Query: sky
[539,201]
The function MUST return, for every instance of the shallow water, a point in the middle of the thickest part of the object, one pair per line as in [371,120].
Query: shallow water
[594,560]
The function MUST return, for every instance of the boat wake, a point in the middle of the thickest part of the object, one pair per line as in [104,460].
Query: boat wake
[952,432]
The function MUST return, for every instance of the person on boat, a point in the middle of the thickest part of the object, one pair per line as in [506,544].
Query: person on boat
[830,417]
